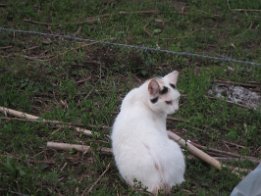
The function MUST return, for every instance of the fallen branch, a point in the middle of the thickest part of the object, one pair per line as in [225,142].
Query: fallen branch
[5,47]
[65,146]
[195,151]
[31,48]
[34,118]
[77,147]
[82,148]
[36,22]
[146,30]
[233,144]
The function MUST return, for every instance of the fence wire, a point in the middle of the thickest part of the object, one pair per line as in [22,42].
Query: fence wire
[144,48]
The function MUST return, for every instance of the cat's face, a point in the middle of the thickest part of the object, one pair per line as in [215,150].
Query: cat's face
[163,95]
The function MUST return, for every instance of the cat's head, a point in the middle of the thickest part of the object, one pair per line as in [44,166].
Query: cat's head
[163,95]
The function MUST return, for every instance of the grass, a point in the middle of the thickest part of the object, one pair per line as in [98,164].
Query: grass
[44,76]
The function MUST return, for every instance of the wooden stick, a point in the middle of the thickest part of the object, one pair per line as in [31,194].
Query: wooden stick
[17,113]
[36,22]
[195,151]
[34,118]
[5,47]
[65,146]
[77,147]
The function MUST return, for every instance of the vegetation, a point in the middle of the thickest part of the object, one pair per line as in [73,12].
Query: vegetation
[83,83]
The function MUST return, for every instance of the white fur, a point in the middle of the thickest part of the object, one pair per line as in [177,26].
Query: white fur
[141,147]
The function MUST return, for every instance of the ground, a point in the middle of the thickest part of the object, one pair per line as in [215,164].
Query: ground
[83,83]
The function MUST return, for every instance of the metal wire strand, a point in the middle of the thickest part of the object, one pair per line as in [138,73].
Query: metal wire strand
[74,38]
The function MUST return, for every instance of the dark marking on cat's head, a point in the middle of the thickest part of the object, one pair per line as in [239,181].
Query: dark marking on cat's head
[173,85]
[168,102]
[164,90]
[154,100]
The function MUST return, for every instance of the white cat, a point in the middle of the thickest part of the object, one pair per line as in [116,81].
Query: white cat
[141,147]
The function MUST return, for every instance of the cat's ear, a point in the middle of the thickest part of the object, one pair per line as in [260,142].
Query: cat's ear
[153,87]
[172,77]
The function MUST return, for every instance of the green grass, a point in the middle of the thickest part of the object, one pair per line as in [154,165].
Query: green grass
[42,76]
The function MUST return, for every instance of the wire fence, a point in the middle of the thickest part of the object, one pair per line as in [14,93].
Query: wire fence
[144,48]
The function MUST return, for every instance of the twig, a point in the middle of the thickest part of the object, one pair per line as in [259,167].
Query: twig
[81,81]
[146,30]
[36,22]
[96,182]
[34,118]
[77,147]
[64,165]
[5,47]
[18,114]
[233,144]
[195,151]
[50,162]
[31,48]
[65,146]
